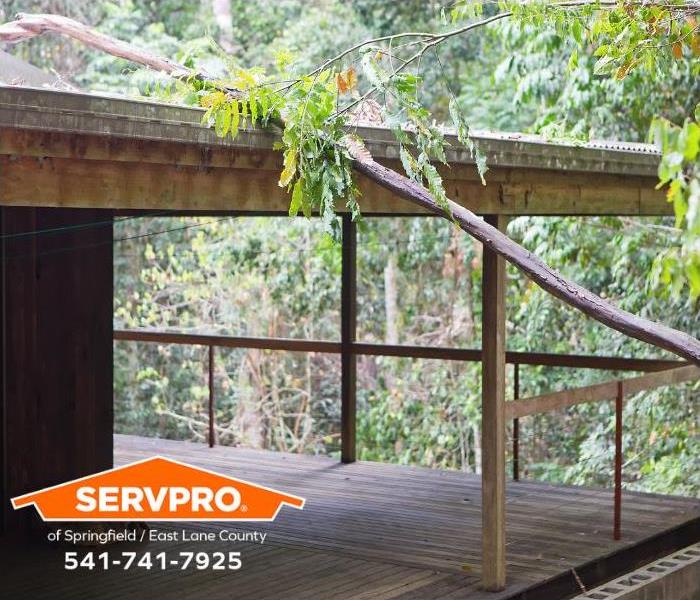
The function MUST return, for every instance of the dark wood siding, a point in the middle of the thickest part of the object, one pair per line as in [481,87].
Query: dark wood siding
[57,348]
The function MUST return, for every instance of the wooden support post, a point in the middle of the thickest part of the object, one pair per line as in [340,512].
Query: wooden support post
[212,431]
[618,460]
[516,424]
[3,463]
[56,390]
[493,459]
[348,362]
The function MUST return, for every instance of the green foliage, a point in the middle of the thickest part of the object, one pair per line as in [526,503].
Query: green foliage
[400,424]
[464,136]
[317,164]
[644,35]
[300,33]
[410,122]
[622,68]
[679,170]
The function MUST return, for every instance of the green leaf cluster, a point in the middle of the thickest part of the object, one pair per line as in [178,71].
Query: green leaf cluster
[317,167]
[421,141]
[679,170]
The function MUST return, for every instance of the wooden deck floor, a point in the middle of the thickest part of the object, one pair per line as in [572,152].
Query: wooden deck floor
[372,531]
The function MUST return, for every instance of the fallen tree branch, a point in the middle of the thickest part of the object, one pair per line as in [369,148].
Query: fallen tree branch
[27,26]
[542,274]
[682,344]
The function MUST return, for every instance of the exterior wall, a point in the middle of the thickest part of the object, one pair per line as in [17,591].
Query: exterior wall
[674,577]
[56,289]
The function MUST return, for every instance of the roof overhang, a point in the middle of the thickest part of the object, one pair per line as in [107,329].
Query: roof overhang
[16,72]
[83,150]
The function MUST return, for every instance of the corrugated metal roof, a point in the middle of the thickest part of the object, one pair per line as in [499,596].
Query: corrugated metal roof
[599,144]
[53,110]
[14,71]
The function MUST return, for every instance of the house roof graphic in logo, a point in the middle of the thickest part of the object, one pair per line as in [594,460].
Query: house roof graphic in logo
[157,489]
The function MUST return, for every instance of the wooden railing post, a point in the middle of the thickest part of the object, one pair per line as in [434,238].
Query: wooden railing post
[348,360]
[516,424]
[212,431]
[493,396]
[618,460]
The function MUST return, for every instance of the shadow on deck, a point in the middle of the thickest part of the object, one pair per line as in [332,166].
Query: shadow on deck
[373,531]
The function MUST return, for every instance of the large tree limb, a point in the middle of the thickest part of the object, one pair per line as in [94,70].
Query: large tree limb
[682,344]
[27,26]
[542,274]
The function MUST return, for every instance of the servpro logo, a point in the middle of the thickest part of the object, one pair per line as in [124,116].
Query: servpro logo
[157,489]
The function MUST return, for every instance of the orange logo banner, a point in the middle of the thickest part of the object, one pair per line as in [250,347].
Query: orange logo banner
[157,489]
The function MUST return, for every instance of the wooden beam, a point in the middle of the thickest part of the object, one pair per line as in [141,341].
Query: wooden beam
[80,183]
[493,396]
[61,182]
[586,361]
[578,361]
[599,392]
[168,174]
[39,143]
[348,359]
[226,341]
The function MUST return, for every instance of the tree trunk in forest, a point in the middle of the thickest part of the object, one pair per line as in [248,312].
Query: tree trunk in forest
[455,267]
[469,293]
[391,300]
[222,14]
[476,432]
[682,344]
[249,425]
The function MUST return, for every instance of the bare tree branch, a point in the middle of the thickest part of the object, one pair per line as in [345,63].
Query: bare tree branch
[542,274]
[27,26]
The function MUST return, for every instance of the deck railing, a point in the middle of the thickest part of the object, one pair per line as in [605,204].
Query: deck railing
[615,390]
[543,403]
[659,372]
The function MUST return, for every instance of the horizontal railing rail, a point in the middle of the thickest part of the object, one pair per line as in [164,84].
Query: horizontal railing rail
[226,341]
[611,363]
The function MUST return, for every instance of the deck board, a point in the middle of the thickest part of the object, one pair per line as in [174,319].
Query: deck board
[368,531]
